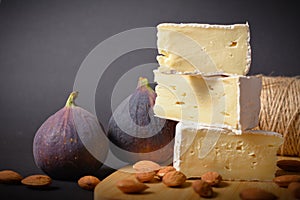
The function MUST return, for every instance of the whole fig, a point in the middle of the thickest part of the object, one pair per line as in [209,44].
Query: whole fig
[136,134]
[70,143]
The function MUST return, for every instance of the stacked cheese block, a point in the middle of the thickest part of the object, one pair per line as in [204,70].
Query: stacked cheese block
[202,83]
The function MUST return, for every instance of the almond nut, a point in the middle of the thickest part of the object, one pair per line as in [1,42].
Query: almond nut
[294,189]
[10,177]
[202,188]
[88,182]
[256,193]
[212,178]
[146,166]
[174,179]
[289,165]
[281,172]
[145,176]
[164,170]
[37,181]
[285,180]
[131,186]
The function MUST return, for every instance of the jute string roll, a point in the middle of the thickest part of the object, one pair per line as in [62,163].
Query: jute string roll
[280,111]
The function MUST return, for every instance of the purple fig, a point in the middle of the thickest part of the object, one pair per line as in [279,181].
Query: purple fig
[70,143]
[136,134]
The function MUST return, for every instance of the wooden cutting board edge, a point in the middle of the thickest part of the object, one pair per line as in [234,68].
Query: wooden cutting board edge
[107,189]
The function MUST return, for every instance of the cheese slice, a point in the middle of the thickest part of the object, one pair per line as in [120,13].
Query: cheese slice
[250,156]
[204,48]
[228,102]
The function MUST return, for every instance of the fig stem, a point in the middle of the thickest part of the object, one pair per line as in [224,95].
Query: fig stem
[71,100]
[142,82]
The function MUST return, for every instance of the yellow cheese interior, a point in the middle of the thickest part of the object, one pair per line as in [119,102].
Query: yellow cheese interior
[214,101]
[204,48]
[250,156]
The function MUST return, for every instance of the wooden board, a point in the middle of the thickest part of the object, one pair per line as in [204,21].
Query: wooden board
[157,190]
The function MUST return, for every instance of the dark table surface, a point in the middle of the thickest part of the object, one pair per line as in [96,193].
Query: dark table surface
[19,162]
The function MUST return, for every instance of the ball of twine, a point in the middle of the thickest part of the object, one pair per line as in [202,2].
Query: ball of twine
[280,111]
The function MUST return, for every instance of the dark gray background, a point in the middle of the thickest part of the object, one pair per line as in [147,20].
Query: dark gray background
[43,43]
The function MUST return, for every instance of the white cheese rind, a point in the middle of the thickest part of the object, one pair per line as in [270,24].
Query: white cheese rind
[228,102]
[203,48]
[250,156]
